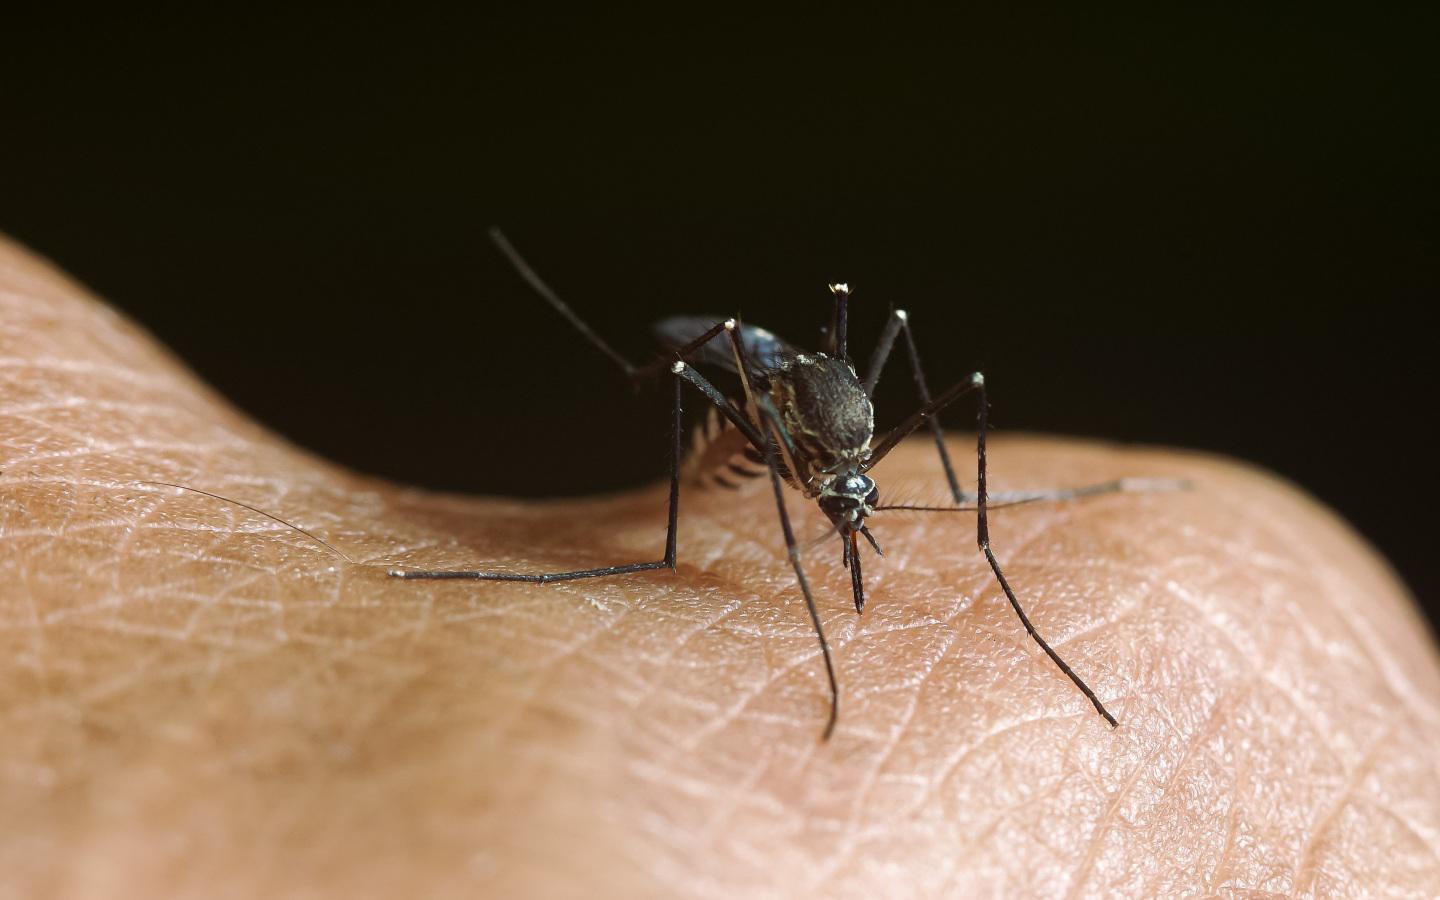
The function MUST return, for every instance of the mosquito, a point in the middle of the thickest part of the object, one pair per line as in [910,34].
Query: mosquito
[806,420]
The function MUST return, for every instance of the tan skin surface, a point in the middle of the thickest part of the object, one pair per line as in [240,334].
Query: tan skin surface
[195,701]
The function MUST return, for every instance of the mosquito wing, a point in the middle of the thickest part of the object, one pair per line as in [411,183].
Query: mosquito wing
[765,351]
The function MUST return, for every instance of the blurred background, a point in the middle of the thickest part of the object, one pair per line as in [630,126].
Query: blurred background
[1212,228]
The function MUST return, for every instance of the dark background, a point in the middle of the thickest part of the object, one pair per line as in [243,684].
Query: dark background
[1206,228]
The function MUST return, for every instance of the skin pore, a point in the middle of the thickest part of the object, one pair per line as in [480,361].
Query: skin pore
[196,701]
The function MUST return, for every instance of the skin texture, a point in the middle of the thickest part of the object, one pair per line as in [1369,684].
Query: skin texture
[197,702]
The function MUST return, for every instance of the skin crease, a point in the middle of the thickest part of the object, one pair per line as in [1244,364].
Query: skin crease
[197,702]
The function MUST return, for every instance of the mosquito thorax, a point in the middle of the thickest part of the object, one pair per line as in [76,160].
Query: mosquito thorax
[826,412]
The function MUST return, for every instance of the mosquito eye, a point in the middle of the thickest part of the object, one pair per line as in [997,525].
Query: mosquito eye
[872,499]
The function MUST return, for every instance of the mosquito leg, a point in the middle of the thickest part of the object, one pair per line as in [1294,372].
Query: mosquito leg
[1002,499]
[664,362]
[976,382]
[682,370]
[767,447]
[983,539]
[899,323]
[881,354]
[920,416]
[792,549]
[546,293]
[549,296]
[839,322]
[1117,486]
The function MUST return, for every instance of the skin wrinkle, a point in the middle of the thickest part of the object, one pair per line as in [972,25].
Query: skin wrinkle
[838,643]
[1231,816]
[895,734]
[892,740]
[734,711]
[1426,838]
[849,849]
[1108,820]
[1305,865]
[772,676]
[548,672]
[200,703]
[1263,675]
[686,640]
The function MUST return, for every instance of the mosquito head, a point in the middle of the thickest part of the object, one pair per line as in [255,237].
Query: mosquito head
[848,499]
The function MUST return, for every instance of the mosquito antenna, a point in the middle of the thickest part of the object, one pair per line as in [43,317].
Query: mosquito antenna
[549,296]
[271,517]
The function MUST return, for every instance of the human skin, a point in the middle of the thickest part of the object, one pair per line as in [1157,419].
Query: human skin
[196,701]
